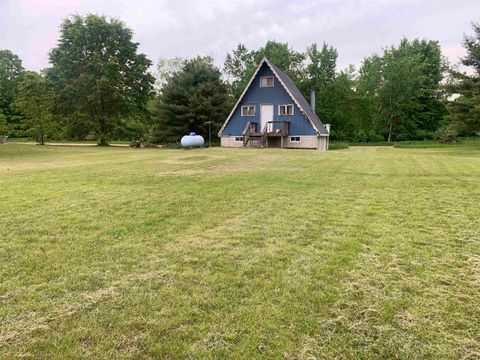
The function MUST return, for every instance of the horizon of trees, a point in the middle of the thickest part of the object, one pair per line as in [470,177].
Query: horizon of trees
[99,87]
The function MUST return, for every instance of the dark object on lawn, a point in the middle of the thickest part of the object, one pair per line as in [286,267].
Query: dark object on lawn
[3,139]
[136,144]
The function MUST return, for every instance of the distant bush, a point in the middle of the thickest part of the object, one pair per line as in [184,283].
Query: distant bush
[423,144]
[376,143]
[337,145]
[365,136]
[470,141]
[446,135]
[473,141]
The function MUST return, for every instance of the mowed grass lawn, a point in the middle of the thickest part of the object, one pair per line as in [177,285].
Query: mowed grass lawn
[234,253]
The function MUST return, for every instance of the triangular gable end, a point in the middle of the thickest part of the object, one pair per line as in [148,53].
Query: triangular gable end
[270,65]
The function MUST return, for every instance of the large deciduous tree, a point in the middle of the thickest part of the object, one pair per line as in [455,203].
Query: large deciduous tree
[99,75]
[10,74]
[34,101]
[191,97]
[402,90]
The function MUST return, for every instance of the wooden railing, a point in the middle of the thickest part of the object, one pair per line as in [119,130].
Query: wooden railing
[250,128]
[271,128]
[276,128]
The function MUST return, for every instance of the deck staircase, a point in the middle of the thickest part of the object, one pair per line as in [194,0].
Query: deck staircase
[260,139]
[250,135]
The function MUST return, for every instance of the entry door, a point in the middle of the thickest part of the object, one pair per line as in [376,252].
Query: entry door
[266,115]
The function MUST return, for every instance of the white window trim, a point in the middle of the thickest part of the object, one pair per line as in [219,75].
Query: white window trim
[267,77]
[295,141]
[248,106]
[293,110]
[238,137]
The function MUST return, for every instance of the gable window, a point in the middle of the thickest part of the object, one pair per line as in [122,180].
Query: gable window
[238,138]
[295,139]
[285,109]
[266,81]
[248,110]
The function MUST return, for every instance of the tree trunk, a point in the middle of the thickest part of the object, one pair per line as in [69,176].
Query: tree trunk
[390,128]
[102,139]
[375,118]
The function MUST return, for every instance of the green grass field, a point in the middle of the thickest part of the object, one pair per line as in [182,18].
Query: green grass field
[233,253]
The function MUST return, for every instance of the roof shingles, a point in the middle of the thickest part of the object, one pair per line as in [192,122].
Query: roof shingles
[299,98]
[293,90]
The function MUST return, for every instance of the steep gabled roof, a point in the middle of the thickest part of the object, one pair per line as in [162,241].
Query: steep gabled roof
[294,93]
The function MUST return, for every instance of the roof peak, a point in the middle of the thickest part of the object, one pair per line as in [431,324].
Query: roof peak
[291,89]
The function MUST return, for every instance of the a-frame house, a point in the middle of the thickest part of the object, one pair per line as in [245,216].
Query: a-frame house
[272,112]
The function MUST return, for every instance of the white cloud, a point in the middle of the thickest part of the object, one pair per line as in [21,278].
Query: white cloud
[168,28]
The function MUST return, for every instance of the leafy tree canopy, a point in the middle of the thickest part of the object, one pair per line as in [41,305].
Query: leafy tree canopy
[4,128]
[10,74]
[401,89]
[34,101]
[98,74]
[240,65]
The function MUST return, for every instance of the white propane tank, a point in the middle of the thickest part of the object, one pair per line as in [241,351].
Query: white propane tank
[192,140]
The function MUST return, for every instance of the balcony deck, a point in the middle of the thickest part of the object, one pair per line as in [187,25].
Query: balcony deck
[271,129]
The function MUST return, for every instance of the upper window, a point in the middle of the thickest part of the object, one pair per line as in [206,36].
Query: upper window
[248,110]
[266,81]
[285,109]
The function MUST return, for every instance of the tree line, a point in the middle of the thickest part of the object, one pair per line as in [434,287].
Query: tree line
[100,87]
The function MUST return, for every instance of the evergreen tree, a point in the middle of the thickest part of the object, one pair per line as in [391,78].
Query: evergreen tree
[465,109]
[192,96]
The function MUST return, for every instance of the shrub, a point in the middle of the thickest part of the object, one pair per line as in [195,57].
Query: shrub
[375,143]
[420,144]
[337,145]
[446,135]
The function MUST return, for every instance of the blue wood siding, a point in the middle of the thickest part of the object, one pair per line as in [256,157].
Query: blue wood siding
[276,95]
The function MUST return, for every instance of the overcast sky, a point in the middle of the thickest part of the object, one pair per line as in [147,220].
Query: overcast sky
[185,28]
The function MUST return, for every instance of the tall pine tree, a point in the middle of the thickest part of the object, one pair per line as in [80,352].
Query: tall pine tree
[192,97]
[465,109]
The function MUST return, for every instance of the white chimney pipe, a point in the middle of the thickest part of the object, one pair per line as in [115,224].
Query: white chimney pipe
[312,99]
[327,126]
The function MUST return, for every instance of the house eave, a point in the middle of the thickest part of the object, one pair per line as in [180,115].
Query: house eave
[279,78]
[241,96]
